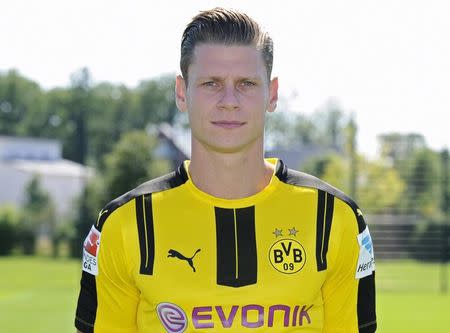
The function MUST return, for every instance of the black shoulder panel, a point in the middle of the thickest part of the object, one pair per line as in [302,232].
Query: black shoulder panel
[163,183]
[302,179]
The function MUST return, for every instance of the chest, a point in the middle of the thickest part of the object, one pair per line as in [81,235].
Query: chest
[215,253]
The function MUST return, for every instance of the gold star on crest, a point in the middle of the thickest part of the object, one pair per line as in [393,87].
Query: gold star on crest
[278,232]
[293,232]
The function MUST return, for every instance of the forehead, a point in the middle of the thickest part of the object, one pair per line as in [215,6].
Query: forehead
[226,60]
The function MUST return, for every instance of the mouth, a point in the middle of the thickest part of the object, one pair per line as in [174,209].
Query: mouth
[228,124]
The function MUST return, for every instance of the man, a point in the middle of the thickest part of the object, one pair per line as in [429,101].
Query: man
[230,242]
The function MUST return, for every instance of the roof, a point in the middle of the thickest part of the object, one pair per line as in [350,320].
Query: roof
[58,168]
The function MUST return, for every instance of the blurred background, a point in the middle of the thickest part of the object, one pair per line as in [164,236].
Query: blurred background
[87,112]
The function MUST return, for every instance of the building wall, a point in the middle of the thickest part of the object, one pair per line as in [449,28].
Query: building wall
[12,184]
[12,148]
[63,189]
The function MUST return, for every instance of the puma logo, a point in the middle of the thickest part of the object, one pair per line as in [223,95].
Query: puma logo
[176,254]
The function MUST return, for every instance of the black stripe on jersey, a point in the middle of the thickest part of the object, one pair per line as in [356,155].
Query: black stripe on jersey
[144,219]
[166,182]
[87,304]
[226,246]
[366,304]
[87,301]
[366,287]
[236,246]
[297,178]
[248,265]
[325,206]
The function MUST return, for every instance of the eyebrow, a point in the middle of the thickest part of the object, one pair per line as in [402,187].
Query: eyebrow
[221,78]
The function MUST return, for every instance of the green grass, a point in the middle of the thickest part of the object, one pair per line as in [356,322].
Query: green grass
[38,295]
[409,297]
[413,312]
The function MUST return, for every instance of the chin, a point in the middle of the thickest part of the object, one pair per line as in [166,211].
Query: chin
[230,148]
[224,146]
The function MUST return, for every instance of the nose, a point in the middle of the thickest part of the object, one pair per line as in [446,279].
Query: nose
[229,99]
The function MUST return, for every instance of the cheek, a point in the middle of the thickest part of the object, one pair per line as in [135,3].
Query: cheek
[258,106]
[197,100]
[257,99]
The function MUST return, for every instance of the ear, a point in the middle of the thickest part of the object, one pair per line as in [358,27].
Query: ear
[180,93]
[273,95]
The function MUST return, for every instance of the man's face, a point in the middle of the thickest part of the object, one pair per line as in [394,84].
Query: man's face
[226,97]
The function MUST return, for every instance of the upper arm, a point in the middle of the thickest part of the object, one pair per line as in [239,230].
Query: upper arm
[349,298]
[108,300]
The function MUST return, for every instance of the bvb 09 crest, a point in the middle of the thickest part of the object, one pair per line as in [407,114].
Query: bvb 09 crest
[287,256]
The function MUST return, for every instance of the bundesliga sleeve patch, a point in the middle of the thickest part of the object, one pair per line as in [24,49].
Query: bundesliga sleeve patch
[366,259]
[90,251]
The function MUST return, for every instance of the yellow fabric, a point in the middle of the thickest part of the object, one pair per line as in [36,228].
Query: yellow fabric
[184,220]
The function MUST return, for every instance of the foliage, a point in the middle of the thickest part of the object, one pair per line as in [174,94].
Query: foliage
[331,168]
[38,212]
[156,101]
[21,103]
[379,187]
[397,148]
[420,169]
[90,119]
[287,130]
[86,209]
[331,123]
[423,194]
[9,218]
[87,118]
[325,127]
[131,163]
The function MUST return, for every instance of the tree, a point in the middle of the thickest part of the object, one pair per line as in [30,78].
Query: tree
[418,167]
[38,213]
[379,187]
[423,194]
[9,218]
[289,129]
[79,107]
[115,108]
[156,101]
[20,101]
[129,164]
[397,148]
[331,122]
[331,168]
[132,162]
[87,208]
[351,151]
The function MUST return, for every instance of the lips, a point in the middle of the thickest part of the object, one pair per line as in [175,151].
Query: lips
[228,124]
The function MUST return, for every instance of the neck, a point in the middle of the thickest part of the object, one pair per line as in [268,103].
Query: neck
[230,176]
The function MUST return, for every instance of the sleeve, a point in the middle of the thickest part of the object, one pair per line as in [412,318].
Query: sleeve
[349,290]
[108,298]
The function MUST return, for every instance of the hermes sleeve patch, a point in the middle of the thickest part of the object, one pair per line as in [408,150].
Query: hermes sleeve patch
[366,259]
[90,251]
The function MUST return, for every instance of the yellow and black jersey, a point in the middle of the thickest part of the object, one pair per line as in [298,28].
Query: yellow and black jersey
[167,257]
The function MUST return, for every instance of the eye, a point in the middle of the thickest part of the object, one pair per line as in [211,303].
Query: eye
[248,83]
[209,84]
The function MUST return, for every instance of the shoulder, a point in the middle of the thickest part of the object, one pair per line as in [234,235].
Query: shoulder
[301,179]
[163,183]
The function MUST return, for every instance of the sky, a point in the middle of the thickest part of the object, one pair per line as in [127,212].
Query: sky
[385,61]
